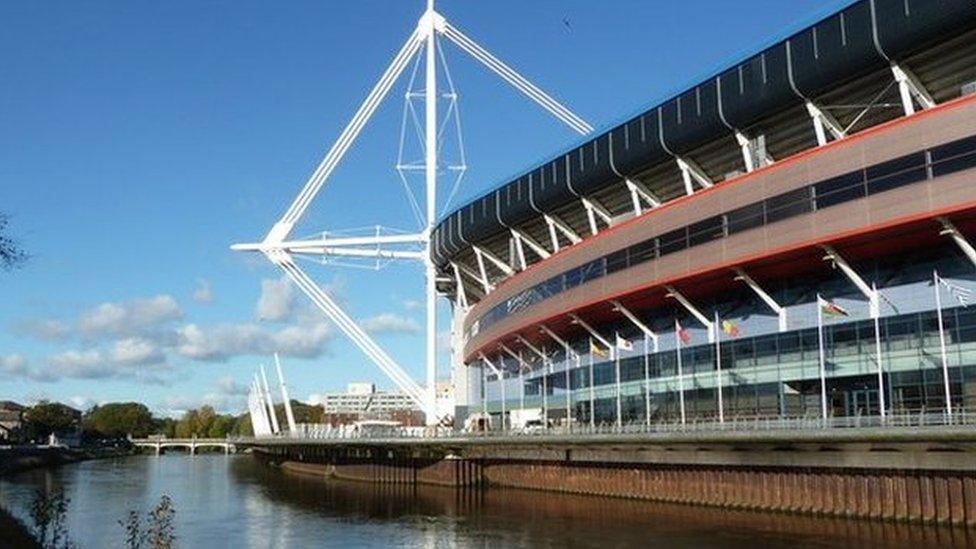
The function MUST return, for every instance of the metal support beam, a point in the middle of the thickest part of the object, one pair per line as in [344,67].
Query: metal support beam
[675,294]
[596,335]
[638,192]
[776,307]
[462,294]
[495,260]
[692,173]
[593,210]
[567,231]
[635,321]
[910,87]
[750,156]
[522,238]
[870,293]
[949,229]
[486,285]
[824,121]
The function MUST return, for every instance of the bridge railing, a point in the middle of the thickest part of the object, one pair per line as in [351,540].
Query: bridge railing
[899,420]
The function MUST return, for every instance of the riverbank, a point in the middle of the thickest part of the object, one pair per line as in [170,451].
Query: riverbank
[17,459]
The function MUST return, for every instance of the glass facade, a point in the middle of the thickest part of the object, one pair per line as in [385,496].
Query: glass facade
[774,375]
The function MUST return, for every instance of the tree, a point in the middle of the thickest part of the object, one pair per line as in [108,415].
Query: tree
[11,254]
[119,419]
[47,417]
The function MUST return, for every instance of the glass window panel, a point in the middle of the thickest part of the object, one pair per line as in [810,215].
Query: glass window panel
[840,189]
[895,173]
[643,251]
[674,241]
[788,205]
[706,230]
[745,217]
[953,157]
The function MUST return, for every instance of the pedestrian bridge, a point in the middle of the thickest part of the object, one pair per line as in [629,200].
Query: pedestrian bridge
[189,444]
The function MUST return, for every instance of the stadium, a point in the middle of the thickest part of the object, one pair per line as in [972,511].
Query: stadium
[790,237]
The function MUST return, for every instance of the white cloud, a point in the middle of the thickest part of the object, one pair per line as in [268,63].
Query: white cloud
[13,365]
[390,323]
[277,301]
[203,293]
[128,317]
[412,304]
[136,350]
[221,342]
[227,385]
[47,329]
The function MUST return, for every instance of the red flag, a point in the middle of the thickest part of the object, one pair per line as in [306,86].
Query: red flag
[683,334]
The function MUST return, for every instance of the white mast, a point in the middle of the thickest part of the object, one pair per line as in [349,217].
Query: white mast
[284,396]
[271,410]
[430,170]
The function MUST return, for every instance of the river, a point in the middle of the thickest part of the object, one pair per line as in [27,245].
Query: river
[234,501]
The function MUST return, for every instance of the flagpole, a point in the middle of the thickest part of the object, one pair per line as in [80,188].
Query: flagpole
[545,388]
[942,346]
[616,365]
[877,350]
[522,384]
[647,385]
[569,394]
[718,370]
[681,376]
[592,394]
[823,368]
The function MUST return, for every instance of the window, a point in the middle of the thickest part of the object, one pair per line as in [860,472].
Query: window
[617,261]
[837,190]
[706,230]
[643,251]
[788,205]
[746,217]
[953,157]
[896,173]
[674,241]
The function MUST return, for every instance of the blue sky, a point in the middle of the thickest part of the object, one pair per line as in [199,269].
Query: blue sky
[139,140]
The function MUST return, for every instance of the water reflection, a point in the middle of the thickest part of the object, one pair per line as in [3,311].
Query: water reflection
[237,502]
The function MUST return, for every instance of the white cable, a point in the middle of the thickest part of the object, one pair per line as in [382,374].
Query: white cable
[517,80]
[351,131]
[350,328]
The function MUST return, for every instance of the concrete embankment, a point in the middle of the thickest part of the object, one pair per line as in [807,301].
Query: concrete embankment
[23,458]
[912,475]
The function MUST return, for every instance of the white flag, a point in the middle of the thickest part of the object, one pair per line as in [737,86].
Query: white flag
[963,295]
[624,344]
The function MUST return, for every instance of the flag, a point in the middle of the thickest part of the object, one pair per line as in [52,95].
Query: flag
[683,334]
[596,350]
[624,344]
[963,295]
[833,309]
[730,328]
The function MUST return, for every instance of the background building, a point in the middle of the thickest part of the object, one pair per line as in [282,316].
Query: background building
[362,401]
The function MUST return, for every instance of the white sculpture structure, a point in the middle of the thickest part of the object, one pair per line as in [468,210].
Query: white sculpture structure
[280,250]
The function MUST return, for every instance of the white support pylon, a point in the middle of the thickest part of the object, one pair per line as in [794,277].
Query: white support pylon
[275,428]
[289,414]
[275,247]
